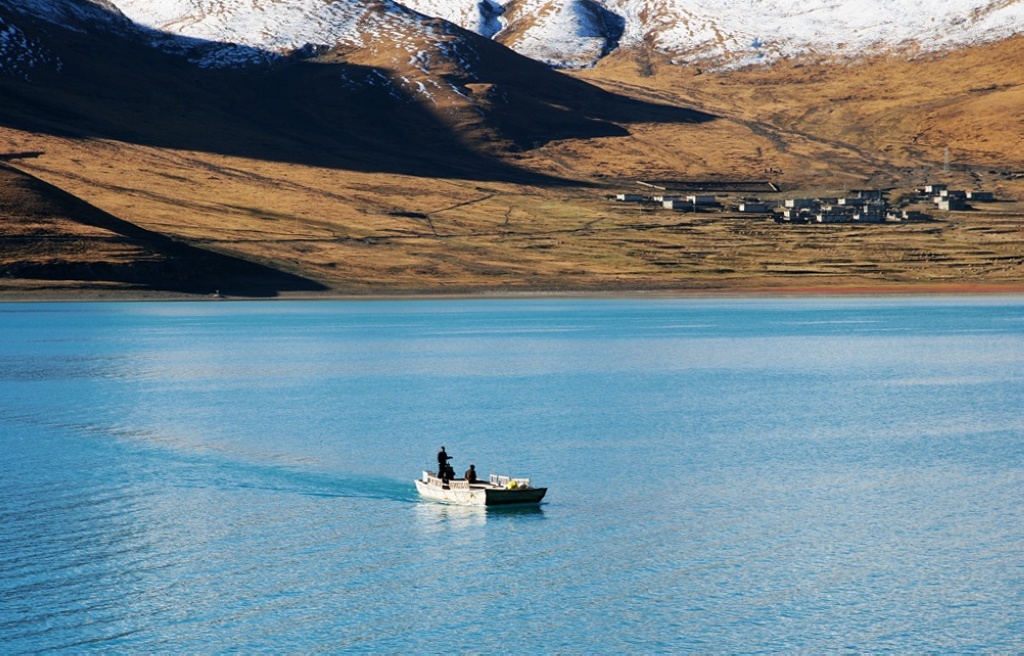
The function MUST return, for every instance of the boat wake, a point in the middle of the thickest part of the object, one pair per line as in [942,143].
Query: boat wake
[189,462]
[326,484]
[224,473]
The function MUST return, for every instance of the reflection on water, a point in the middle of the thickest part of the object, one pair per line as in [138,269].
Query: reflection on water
[432,514]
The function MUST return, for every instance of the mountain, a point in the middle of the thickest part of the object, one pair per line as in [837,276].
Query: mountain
[383,88]
[369,147]
[153,129]
[577,33]
[416,36]
[731,33]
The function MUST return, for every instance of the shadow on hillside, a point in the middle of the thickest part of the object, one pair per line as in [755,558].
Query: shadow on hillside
[542,105]
[334,115]
[166,264]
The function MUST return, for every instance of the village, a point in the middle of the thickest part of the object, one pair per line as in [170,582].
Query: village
[857,206]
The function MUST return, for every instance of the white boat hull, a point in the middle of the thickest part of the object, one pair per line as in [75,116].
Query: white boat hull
[464,493]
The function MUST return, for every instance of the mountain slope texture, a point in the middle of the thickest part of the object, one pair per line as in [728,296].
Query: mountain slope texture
[431,145]
[561,33]
[574,33]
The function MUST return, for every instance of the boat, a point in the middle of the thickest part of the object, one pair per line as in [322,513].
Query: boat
[497,491]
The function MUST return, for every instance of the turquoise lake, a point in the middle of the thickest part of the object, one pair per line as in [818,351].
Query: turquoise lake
[806,475]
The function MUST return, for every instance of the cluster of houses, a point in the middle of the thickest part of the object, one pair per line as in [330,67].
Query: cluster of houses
[863,206]
[868,206]
[692,203]
[948,199]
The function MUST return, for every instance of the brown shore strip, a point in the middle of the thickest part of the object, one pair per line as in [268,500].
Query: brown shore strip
[36,294]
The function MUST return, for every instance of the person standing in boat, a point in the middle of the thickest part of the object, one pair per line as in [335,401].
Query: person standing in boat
[444,470]
[471,474]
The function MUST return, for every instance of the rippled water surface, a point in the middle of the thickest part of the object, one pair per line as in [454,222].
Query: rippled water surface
[802,475]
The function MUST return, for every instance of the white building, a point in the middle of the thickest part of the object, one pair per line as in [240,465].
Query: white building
[873,213]
[834,215]
[906,215]
[951,204]
[801,215]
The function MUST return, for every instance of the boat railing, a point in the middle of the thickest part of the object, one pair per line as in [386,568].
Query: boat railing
[509,481]
[430,478]
[458,485]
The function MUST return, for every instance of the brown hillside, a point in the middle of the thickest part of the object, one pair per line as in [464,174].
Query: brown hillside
[368,193]
[357,110]
[50,239]
[882,122]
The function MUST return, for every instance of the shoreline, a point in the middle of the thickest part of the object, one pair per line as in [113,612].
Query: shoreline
[113,295]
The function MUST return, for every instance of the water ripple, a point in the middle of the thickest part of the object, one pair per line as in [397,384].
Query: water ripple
[764,476]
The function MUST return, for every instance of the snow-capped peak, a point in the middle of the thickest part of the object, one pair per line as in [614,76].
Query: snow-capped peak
[747,31]
[562,33]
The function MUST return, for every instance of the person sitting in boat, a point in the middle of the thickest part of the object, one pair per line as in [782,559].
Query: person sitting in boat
[471,474]
[444,470]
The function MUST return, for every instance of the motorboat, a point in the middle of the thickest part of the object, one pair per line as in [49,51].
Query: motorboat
[497,491]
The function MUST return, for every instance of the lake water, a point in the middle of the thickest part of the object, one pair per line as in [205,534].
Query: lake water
[783,475]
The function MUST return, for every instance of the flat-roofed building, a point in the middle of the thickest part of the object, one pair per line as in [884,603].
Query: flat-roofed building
[951,204]
[834,214]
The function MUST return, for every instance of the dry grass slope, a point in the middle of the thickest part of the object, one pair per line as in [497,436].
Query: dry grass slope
[52,240]
[374,209]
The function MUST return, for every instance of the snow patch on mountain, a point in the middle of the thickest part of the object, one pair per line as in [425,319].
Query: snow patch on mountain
[485,17]
[227,33]
[274,26]
[241,33]
[218,33]
[570,34]
[744,32]
[739,32]
[562,33]
[20,54]
[77,16]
